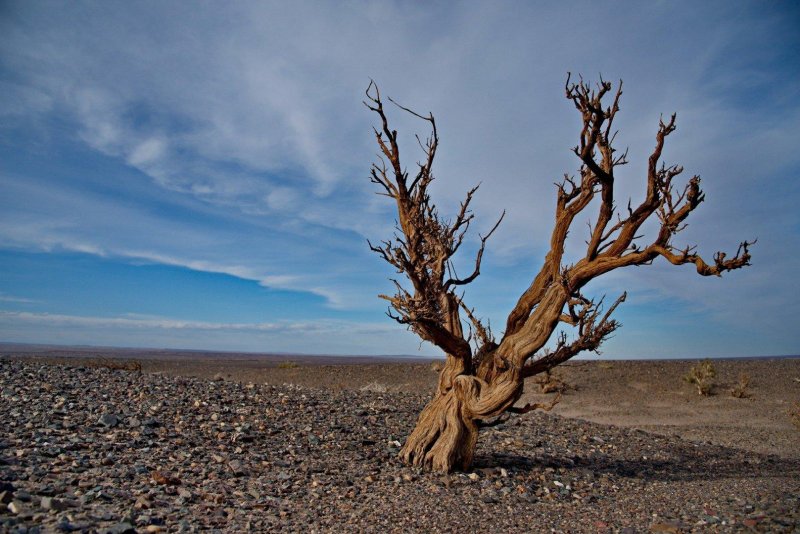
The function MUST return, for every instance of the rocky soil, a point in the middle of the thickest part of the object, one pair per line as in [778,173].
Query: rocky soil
[92,449]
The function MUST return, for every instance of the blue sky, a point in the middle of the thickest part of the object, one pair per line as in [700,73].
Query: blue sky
[195,174]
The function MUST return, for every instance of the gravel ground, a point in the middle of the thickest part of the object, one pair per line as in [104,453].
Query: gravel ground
[100,450]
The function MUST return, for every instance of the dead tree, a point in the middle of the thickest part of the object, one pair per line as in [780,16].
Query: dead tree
[477,385]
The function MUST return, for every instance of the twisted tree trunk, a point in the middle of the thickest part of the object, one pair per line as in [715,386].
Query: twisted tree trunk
[447,429]
[446,432]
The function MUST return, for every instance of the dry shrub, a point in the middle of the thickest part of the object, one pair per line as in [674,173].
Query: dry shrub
[702,375]
[375,387]
[739,390]
[288,365]
[550,382]
[794,415]
[118,365]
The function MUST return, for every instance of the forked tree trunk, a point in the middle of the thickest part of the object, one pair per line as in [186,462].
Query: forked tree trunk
[446,433]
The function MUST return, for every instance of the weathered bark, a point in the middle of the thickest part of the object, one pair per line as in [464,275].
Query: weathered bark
[475,387]
[445,435]
[447,429]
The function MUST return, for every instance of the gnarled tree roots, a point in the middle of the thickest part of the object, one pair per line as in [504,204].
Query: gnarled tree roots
[445,436]
[447,429]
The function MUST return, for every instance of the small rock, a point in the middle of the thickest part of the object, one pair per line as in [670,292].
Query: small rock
[121,528]
[237,467]
[15,507]
[165,478]
[665,527]
[150,422]
[66,526]
[473,476]
[108,419]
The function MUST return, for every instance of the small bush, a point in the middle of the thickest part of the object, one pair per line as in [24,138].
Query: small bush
[794,415]
[702,375]
[118,365]
[550,382]
[288,365]
[739,390]
[375,387]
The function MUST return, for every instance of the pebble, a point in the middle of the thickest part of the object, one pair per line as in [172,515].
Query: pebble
[121,528]
[236,467]
[108,419]
[15,507]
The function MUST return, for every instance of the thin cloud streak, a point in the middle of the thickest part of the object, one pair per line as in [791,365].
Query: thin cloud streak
[320,337]
[16,300]
[10,317]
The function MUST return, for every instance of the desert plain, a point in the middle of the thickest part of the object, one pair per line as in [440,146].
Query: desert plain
[109,440]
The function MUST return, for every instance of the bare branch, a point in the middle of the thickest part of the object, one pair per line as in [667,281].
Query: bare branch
[593,329]
[479,257]
[425,243]
[529,407]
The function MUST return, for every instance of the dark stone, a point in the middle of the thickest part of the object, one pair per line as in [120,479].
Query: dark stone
[109,420]
[121,528]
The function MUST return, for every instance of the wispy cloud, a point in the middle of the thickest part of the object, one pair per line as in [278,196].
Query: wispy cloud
[170,324]
[16,300]
[321,337]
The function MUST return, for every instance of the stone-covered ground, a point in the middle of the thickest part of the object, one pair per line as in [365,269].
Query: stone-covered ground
[99,450]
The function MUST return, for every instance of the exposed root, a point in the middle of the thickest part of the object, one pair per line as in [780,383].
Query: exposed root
[447,430]
[445,436]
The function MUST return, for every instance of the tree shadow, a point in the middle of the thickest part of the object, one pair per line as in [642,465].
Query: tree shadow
[686,461]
